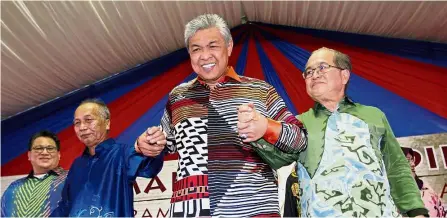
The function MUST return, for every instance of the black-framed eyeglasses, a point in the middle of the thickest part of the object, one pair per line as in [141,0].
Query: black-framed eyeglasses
[50,149]
[322,68]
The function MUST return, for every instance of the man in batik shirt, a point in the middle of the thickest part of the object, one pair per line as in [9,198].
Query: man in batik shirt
[38,194]
[100,181]
[353,165]
[210,122]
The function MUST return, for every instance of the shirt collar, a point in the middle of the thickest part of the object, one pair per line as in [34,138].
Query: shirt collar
[345,102]
[229,75]
[101,148]
[56,171]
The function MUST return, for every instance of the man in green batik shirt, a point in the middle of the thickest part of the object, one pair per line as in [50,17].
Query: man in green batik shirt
[353,166]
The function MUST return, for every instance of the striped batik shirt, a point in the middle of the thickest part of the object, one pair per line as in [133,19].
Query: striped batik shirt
[218,174]
[32,196]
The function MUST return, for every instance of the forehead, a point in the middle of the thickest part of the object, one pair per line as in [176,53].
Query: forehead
[86,109]
[326,56]
[206,36]
[43,141]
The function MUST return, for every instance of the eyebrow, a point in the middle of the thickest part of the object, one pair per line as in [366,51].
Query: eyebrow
[318,65]
[196,45]
[44,145]
[86,116]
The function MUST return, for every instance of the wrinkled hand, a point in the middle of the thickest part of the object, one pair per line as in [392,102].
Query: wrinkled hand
[251,124]
[151,142]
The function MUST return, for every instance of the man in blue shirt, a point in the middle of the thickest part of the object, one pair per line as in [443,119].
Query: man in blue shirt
[100,181]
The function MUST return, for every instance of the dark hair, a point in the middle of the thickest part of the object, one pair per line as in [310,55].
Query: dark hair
[410,151]
[407,151]
[419,182]
[46,134]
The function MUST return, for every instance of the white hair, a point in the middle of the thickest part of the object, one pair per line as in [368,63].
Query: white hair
[207,21]
[103,109]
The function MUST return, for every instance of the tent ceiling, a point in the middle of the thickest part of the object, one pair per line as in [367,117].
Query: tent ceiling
[52,48]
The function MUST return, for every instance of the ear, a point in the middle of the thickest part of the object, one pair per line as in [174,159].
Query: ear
[108,124]
[29,155]
[230,48]
[345,74]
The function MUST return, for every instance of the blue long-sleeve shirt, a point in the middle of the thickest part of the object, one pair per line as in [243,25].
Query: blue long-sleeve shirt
[101,185]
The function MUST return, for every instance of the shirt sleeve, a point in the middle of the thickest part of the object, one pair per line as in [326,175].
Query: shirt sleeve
[404,190]
[166,125]
[64,206]
[139,165]
[6,201]
[272,156]
[284,131]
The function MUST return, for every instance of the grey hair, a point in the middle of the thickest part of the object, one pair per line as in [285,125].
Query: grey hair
[207,21]
[340,59]
[103,109]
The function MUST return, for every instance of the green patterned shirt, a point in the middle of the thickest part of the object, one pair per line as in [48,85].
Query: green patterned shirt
[32,196]
[353,141]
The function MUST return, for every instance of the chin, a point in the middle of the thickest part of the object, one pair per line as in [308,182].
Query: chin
[208,76]
[317,94]
[86,142]
[45,166]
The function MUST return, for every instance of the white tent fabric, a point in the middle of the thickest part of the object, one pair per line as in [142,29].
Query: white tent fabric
[52,48]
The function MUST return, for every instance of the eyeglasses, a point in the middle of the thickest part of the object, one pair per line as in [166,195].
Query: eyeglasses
[320,69]
[50,149]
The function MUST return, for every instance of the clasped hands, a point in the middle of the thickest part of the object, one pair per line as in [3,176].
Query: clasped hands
[152,142]
[251,124]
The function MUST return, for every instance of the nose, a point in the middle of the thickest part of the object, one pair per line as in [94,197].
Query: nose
[316,75]
[206,54]
[45,152]
[82,126]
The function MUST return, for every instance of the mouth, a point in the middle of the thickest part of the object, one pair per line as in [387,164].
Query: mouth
[84,136]
[316,83]
[208,67]
[44,159]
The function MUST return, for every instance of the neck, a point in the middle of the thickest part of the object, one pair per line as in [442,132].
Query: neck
[330,105]
[213,84]
[91,150]
[38,170]
[331,102]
